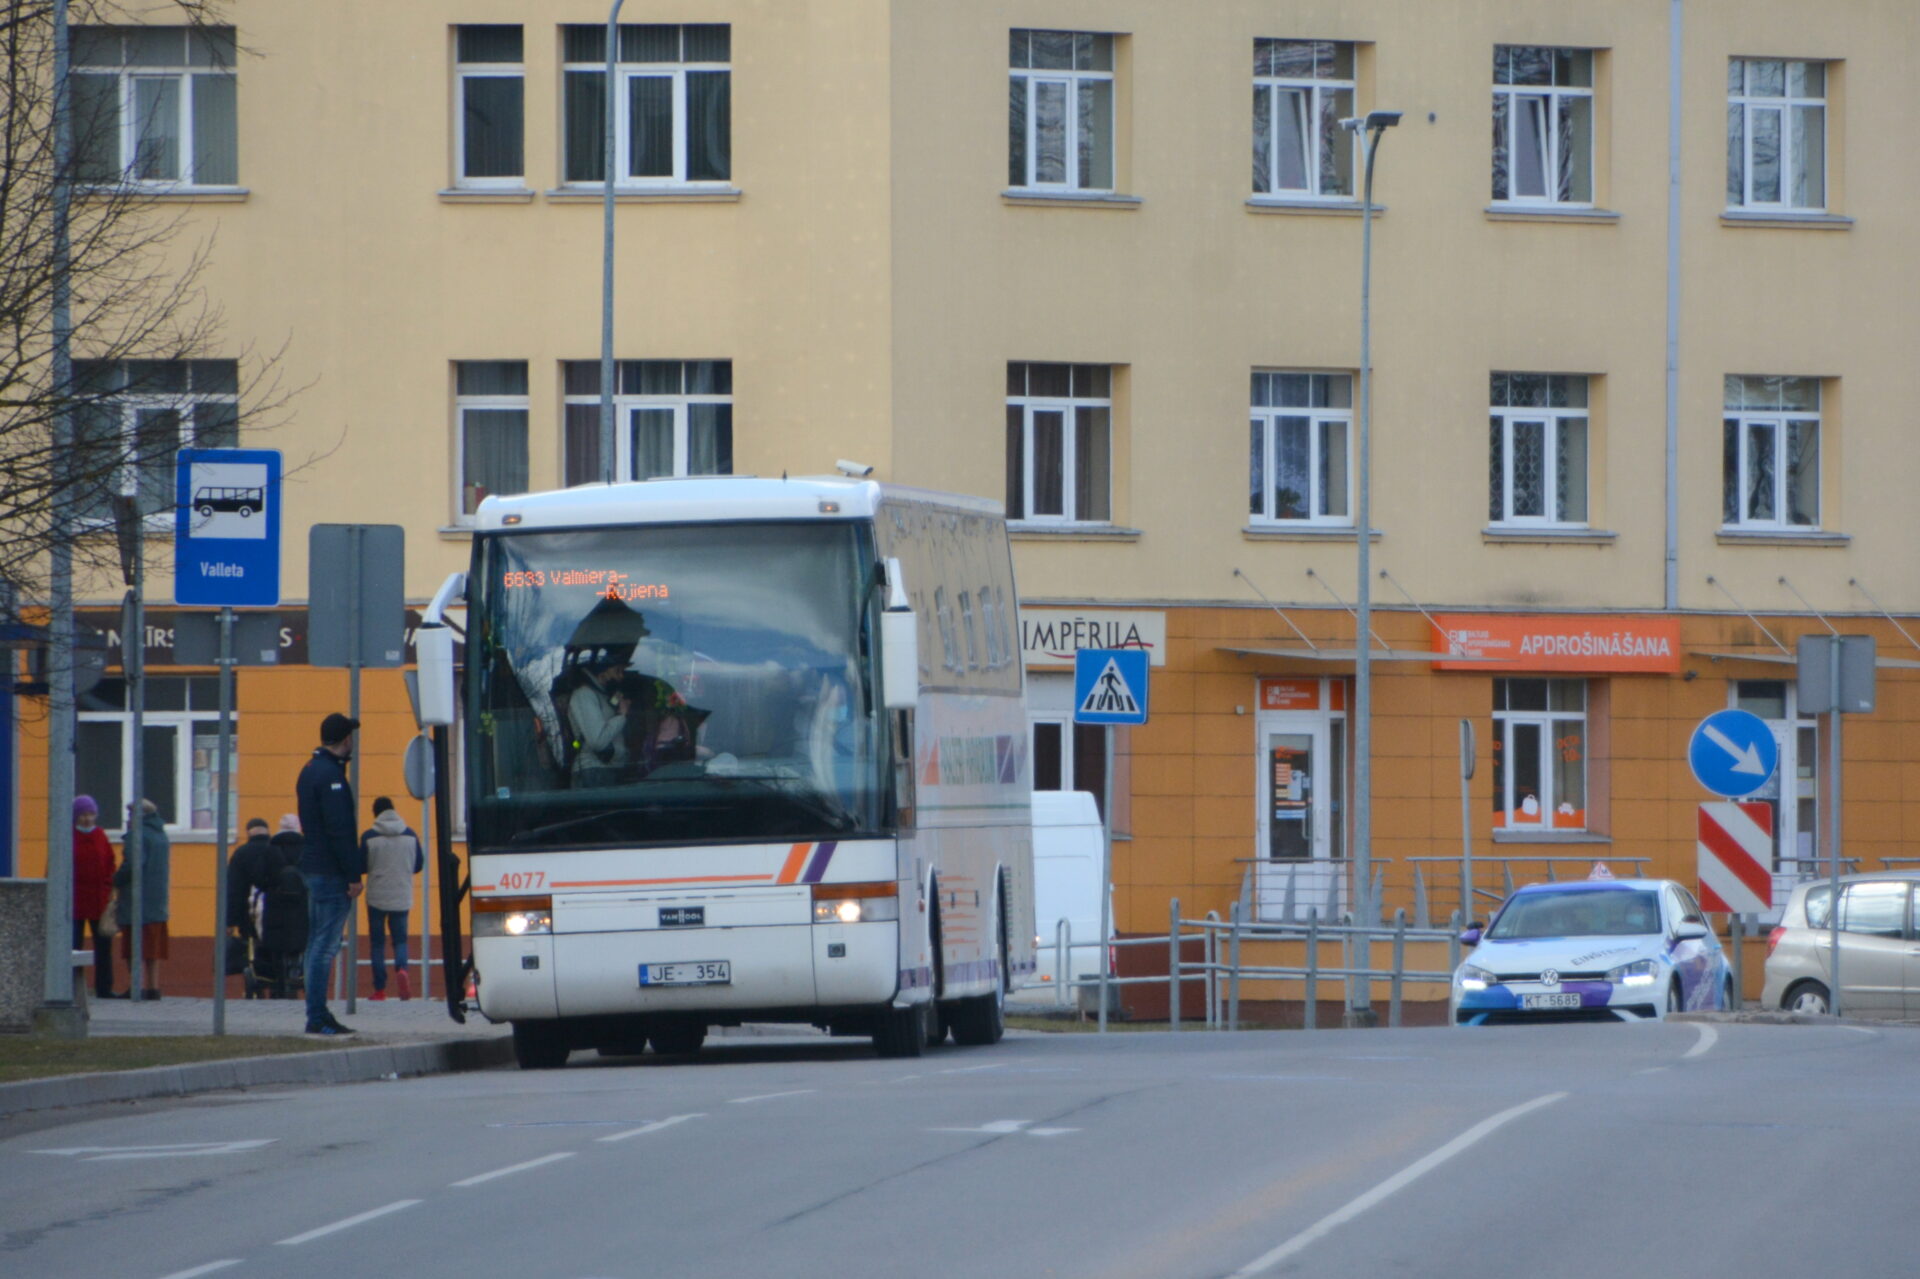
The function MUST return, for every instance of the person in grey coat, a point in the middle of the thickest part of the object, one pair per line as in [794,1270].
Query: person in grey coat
[156,867]
[393,856]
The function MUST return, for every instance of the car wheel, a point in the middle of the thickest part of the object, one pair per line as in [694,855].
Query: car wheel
[1807,997]
[1675,1002]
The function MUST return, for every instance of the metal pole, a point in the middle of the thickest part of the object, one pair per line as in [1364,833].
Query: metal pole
[426,897]
[1466,818]
[222,827]
[1359,994]
[1106,951]
[1062,953]
[1399,965]
[606,248]
[1210,954]
[356,547]
[1312,1017]
[1173,964]
[134,664]
[1833,827]
[1233,968]
[1737,926]
[58,987]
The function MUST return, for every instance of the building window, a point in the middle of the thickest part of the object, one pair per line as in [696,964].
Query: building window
[1776,134]
[1542,124]
[180,734]
[671,417]
[1059,442]
[1300,457]
[672,120]
[1060,110]
[1537,445]
[492,109]
[490,402]
[1540,754]
[1302,89]
[155,106]
[133,416]
[1771,453]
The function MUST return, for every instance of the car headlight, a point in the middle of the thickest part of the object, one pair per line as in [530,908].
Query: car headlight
[1472,978]
[1641,972]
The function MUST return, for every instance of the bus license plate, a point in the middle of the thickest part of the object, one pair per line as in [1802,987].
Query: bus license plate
[694,972]
[1535,1002]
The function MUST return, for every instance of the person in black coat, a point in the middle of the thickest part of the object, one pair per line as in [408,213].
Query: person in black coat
[249,868]
[331,864]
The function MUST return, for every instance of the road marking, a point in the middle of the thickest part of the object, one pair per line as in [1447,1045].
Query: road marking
[1405,1177]
[181,1150]
[1708,1038]
[970,1070]
[1007,1127]
[769,1096]
[1868,1031]
[510,1169]
[1653,1070]
[207,1269]
[904,1078]
[644,1129]
[347,1223]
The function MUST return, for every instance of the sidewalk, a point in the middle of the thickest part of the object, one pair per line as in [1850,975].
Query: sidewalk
[395,1038]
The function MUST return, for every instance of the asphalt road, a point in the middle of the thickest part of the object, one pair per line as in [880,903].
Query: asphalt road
[1569,1151]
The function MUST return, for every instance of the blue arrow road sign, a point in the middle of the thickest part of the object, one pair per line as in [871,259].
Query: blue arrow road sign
[1110,686]
[226,527]
[1733,753]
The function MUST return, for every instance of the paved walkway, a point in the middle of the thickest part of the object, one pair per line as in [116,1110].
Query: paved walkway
[390,1021]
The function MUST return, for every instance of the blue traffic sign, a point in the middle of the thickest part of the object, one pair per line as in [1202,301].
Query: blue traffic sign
[226,527]
[1110,686]
[1733,753]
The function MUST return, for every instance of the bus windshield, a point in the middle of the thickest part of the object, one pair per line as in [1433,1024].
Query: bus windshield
[671,684]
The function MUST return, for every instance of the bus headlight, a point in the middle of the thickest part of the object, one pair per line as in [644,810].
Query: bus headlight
[512,916]
[856,903]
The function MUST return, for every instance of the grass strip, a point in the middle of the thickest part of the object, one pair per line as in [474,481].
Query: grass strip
[31,1057]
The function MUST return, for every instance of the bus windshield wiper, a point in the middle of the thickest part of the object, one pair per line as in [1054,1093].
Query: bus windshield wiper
[814,805]
[572,823]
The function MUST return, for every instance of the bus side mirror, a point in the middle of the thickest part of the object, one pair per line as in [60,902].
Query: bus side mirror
[433,650]
[899,646]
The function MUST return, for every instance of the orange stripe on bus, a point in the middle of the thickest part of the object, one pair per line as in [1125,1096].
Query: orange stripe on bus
[684,879]
[795,860]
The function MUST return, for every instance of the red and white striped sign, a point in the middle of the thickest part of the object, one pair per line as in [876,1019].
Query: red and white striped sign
[1736,857]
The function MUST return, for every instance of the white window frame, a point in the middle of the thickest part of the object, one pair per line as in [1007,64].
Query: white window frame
[127,406]
[462,404]
[126,104]
[1070,81]
[1781,421]
[624,406]
[625,73]
[183,722]
[1029,405]
[1557,96]
[465,71]
[1786,104]
[1266,419]
[1552,422]
[1315,89]
[1504,722]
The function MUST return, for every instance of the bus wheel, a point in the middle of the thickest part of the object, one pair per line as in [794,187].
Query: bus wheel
[677,1038]
[982,1019]
[539,1045]
[900,1032]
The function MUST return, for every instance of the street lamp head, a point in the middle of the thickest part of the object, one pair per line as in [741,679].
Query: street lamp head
[1382,119]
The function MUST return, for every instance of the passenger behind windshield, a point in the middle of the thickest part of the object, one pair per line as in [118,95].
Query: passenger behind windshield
[1578,913]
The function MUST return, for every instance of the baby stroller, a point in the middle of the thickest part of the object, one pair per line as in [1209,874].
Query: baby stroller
[274,968]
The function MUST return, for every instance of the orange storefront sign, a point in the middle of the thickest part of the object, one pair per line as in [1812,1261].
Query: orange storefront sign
[1299,695]
[1545,642]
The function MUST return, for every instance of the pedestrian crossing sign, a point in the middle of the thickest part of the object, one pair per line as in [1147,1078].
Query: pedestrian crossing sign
[1110,686]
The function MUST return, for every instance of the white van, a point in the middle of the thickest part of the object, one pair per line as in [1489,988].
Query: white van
[1069,874]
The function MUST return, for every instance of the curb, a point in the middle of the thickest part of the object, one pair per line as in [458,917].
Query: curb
[346,1066]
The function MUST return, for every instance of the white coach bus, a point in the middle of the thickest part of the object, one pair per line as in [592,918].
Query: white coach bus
[741,749]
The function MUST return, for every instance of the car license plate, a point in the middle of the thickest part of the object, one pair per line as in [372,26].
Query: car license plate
[693,972]
[1540,1002]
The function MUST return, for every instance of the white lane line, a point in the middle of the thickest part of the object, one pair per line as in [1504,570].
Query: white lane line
[904,1078]
[348,1223]
[510,1169]
[207,1269]
[1708,1038]
[1406,1176]
[644,1129]
[969,1070]
[1868,1031]
[1653,1070]
[769,1096]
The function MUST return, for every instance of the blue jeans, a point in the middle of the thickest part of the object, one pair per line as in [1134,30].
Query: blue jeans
[327,908]
[380,925]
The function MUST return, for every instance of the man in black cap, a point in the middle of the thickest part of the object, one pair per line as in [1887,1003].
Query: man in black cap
[330,863]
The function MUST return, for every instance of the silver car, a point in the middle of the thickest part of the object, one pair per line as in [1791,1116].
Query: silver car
[1879,948]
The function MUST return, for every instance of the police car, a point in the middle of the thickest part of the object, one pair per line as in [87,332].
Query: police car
[1600,949]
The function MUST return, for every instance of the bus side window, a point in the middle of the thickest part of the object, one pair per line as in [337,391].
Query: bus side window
[903,772]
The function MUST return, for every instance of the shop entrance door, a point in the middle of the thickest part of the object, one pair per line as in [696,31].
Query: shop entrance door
[1301,792]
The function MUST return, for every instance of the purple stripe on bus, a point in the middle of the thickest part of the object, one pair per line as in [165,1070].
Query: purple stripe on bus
[818,866]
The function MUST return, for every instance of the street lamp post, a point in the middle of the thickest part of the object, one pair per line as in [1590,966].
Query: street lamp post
[1359,992]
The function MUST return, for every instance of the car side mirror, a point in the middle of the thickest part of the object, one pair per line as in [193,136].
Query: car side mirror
[1690,930]
[1470,935]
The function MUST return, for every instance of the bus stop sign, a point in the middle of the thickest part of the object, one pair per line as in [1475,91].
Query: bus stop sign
[226,527]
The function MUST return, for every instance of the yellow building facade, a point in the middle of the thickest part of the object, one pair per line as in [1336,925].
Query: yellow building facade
[1637,367]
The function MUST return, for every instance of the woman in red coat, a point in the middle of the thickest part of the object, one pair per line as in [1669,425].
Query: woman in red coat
[92,887]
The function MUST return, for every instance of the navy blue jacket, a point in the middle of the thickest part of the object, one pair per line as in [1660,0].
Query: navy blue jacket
[328,819]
